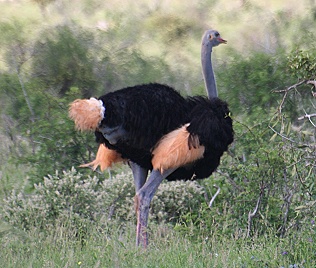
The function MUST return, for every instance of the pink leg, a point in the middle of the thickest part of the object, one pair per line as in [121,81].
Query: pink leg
[140,175]
[142,221]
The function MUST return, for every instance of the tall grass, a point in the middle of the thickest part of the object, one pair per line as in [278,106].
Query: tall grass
[114,246]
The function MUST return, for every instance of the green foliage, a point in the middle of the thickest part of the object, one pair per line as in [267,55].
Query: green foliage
[59,197]
[128,67]
[62,60]
[53,143]
[77,199]
[302,64]
[175,199]
[248,82]
[277,175]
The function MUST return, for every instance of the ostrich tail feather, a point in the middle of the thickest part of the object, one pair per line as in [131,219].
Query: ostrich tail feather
[173,150]
[87,114]
[105,158]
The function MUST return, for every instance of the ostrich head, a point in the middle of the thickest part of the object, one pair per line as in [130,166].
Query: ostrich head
[211,38]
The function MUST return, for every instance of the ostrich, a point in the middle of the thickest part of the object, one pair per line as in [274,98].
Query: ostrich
[155,129]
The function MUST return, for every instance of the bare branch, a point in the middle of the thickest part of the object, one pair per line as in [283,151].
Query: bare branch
[313,82]
[251,215]
[292,87]
[282,136]
[288,89]
[308,116]
[214,196]
[282,102]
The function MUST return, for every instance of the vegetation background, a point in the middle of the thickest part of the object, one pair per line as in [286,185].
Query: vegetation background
[53,51]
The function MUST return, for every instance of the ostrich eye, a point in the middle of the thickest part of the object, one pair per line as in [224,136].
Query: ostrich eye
[217,34]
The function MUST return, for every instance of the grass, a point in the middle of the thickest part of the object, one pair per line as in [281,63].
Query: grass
[114,247]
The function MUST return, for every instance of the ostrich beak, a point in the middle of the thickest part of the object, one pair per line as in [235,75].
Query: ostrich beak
[221,40]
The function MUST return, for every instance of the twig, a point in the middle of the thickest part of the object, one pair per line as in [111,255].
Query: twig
[309,118]
[282,102]
[286,90]
[251,215]
[290,140]
[282,136]
[214,196]
[291,87]
[313,82]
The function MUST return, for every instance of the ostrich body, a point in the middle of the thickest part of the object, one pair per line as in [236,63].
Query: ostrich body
[156,129]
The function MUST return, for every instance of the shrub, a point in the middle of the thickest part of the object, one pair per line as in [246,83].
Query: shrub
[57,197]
[78,200]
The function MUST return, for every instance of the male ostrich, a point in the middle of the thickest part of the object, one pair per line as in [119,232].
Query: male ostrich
[154,128]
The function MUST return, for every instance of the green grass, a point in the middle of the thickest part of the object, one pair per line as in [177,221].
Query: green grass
[113,247]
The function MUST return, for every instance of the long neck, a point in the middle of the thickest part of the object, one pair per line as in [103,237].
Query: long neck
[207,68]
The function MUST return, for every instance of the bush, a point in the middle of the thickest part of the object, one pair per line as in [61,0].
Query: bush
[247,82]
[57,197]
[78,200]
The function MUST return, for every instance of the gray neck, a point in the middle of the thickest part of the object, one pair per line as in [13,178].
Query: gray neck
[207,68]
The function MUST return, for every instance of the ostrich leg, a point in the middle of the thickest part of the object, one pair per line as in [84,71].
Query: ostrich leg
[139,174]
[142,202]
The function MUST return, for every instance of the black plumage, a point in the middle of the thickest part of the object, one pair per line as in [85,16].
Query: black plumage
[148,112]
